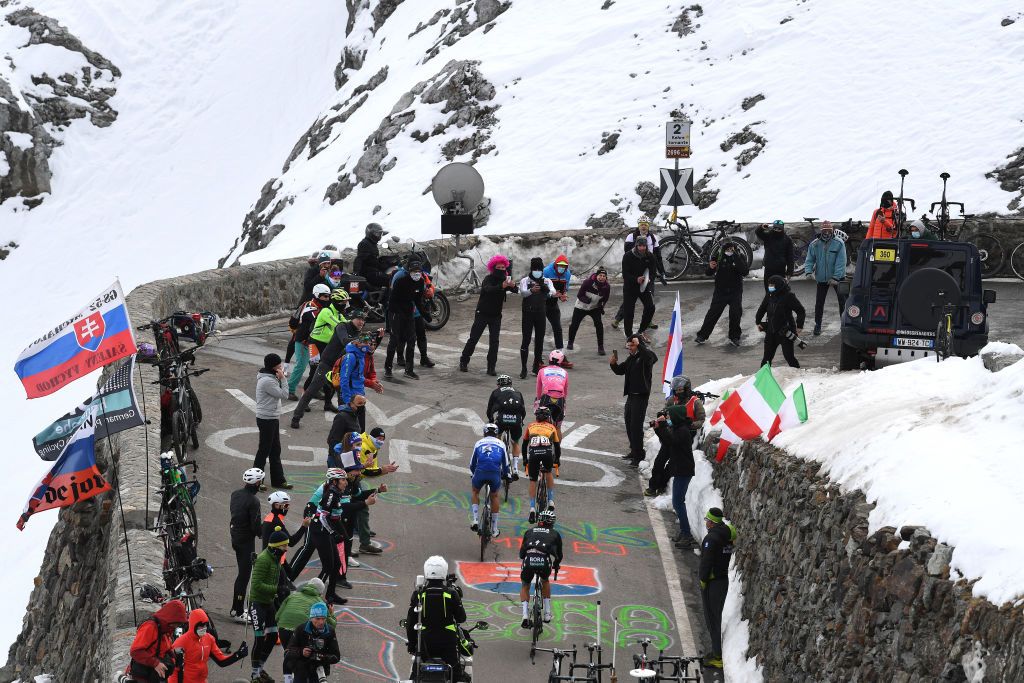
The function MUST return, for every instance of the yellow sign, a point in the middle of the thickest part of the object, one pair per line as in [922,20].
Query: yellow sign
[883,254]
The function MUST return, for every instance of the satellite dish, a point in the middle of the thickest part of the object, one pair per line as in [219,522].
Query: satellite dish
[458,188]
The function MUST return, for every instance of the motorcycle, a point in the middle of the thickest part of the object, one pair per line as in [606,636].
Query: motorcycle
[374,301]
[434,670]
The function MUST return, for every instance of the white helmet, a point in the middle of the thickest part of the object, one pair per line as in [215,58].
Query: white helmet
[335,473]
[253,475]
[435,568]
[321,290]
[279,497]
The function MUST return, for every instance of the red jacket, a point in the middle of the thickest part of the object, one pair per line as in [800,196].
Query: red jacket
[153,639]
[883,224]
[197,650]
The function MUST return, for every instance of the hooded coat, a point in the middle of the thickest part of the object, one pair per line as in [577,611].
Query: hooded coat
[153,639]
[352,373]
[269,392]
[883,219]
[294,611]
[561,282]
[778,307]
[198,650]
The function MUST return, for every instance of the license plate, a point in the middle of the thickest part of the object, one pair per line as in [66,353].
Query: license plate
[913,342]
[882,254]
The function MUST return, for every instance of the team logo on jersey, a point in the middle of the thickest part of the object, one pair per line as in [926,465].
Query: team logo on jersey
[503,577]
[89,331]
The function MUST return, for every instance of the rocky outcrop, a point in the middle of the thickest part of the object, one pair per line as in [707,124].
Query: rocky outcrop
[464,19]
[745,137]
[749,102]
[1010,177]
[829,601]
[683,25]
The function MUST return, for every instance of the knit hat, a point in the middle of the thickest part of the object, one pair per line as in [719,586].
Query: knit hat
[271,361]
[601,270]
[536,263]
[377,433]
[318,611]
[358,313]
[714,515]
[278,539]
[497,260]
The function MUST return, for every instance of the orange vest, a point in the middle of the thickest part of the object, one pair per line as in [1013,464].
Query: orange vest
[883,224]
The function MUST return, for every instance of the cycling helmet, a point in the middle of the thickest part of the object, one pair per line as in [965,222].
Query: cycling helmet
[644,221]
[436,567]
[504,381]
[490,429]
[320,290]
[339,296]
[778,224]
[556,357]
[279,498]
[150,593]
[546,518]
[542,413]
[335,473]
[253,475]
[318,610]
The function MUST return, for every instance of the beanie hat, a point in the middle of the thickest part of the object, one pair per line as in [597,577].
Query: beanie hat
[271,361]
[318,611]
[377,433]
[536,263]
[278,539]
[600,271]
[317,582]
[714,515]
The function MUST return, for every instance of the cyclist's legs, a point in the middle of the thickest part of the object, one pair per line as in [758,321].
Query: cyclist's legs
[545,588]
[476,495]
[495,505]
[550,479]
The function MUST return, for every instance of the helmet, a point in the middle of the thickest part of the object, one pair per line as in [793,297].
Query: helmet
[318,610]
[150,593]
[375,230]
[778,224]
[546,518]
[643,221]
[490,429]
[339,296]
[253,475]
[320,290]
[436,567]
[279,498]
[542,413]
[504,381]
[335,473]
[681,384]
[556,357]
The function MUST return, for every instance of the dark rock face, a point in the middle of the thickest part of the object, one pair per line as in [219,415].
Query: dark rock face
[609,220]
[749,102]
[608,143]
[683,25]
[650,198]
[463,20]
[1010,177]
[747,136]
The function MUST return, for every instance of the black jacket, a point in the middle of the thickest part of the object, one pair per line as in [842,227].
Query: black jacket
[310,279]
[715,552]
[442,609]
[653,247]
[406,296]
[335,349]
[344,421]
[274,520]
[729,272]
[367,261]
[677,441]
[505,400]
[778,251]
[492,296]
[633,266]
[326,654]
[637,368]
[777,309]
[245,515]
[542,540]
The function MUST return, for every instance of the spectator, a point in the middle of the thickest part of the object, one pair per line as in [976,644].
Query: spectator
[779,255]
[372,443]
[672,428]
[493,289]
[270,389]
[406,296]
[560,275]
[637,370]
[307,316]
[535,289]
[293,614]
[729,266]
[367,261]
[643,232]
[198,646]
[263,591]
[826,263]
[715,552]
[638,271]
[590,303]
[919,230]
[775,319]
[692,417]
[245,527]
[342,335]
[327,321]
[352,370]
[420,326]
[313,647]
[151,648]
[347,420]
[883,219]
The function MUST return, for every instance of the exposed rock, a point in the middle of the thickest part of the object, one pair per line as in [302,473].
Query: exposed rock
[319,134]
[999,360]
[371,84]
[45,29]
[610,220]
[608,142]
[383,10]
[1011,179]
[703,196]
[650,198]
[1007,21]
[258,225]
[749,102]
[5,250]
[607,4]
[433,20]
[786,20]
[464,19]
[747,136]
[683,25]
[351,60]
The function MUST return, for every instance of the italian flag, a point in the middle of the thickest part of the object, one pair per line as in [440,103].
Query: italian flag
[750,411]
[792,413]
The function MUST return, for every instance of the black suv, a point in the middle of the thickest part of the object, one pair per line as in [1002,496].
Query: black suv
[897,296]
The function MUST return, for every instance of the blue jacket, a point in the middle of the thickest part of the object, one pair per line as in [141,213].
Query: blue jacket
[561,282]
[827,260]
[489,456]
[351,380]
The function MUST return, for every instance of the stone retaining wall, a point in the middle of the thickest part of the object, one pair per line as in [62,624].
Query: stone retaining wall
[827,601]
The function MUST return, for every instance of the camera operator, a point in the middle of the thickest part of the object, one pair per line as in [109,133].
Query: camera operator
[691,417]
[313,648]
[437,607]
[775,318]
[151,657]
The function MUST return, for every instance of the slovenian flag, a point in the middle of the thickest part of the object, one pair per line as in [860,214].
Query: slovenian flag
[98,335]
[673,351]
[749,411]
[792,413]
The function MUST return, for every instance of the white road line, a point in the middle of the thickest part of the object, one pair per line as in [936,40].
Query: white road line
[675,590]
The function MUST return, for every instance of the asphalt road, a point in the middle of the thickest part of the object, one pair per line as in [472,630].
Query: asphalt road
[617,547]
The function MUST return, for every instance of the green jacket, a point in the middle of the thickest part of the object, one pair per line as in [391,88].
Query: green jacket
[326,320]
[294,611]
[265,573]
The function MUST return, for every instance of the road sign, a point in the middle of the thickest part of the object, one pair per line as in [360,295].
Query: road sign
[677,140]
[676,186]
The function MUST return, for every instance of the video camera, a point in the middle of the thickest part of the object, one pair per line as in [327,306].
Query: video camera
[791,335]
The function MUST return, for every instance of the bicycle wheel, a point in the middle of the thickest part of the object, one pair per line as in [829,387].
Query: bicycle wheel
[507,440]
[440,310]
[179,435]
[197,409]
[537,611]
[744,246]
[943,341]
[991,251]
[485,519]
[542,492]
[675,256]
[1017,260]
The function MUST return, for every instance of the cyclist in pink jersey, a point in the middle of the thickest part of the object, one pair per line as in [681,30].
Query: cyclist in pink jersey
[553,389]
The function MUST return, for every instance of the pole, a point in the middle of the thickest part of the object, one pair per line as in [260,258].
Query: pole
[124,529]
[675,207]
[145,425]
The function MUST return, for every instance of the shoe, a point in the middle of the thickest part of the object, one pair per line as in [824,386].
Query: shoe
[370,550]
[525,624]
[686,543]
[551,507]
[817,330]
[547,617]
[629,456]
[410,373]
[735,342]
[515,476]
[426,362]
[713,662]
[463,367]
[400,362]
[284,485]
[568,347]
[600,350]
[336,599]
[568,364]
[652,326]
[373,534]
[474,527]
[492,372]
[387,372]
[295,423]
[556,472]
[495,533]
[265,677]
[292,397]
[330,407]
[698,340]
[533,516]
[616,323]
[344,583]
[522,375]
[536,369]
[263,487]
[647,339]
[354,552]
[238,617]
[353,562]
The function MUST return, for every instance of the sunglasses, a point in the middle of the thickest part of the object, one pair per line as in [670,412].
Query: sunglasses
[335,273]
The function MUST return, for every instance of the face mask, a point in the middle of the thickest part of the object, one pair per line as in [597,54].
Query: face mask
[771,290]
[335,281]
[536,273]
[729,252]
[500,272]
[416,277]
[915,233]
[379,443]
[200,631]
[560,269]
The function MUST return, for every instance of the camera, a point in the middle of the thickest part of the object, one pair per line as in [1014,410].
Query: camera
[791,335]
[321,674]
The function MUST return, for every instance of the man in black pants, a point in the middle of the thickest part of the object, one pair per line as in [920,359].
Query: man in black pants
[343,334]
[406,297]
[535,290]
[638,272]
[367,260]
[775,319]
[493,289]
[715,552]
[779,255]
[729,265]
[246,526]
[637,370]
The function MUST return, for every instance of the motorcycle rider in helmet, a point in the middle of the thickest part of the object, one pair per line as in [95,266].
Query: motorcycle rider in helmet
[436,607]
[367,261]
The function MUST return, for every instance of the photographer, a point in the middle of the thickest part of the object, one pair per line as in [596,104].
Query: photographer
[637,370]
[436,607]
[313,647]
[775,318]
[151,659]
[692,417]
[673,428]
[729,266]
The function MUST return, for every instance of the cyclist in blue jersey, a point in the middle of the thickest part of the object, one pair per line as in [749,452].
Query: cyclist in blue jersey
[489,464]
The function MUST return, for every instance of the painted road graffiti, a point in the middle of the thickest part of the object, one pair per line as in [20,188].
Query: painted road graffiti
[503,577]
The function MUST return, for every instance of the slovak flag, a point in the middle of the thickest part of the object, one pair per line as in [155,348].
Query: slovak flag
[97,335]
[674,350]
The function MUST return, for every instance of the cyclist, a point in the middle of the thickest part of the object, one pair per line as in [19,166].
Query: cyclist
[245,529]
[489,465]
[507,409]
[553,387]
[542,443]
[540,551]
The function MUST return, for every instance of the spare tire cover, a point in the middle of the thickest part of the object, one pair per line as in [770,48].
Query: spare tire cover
[919,300]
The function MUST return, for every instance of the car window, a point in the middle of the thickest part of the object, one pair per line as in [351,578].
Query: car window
[953,261]
[883,272]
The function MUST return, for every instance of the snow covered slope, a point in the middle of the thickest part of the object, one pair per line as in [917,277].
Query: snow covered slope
[851,93]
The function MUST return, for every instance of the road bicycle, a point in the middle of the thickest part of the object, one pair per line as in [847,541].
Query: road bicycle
[1017,260]
[536,613]
[484,528]
[542,490]
[990,249]
[555,675]
[946,327]
[670,669]
[184,412]
[177,497]
[680,249]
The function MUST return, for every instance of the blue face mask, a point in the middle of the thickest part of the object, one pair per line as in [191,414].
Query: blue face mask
[771,290]
[378,442]
[537,273]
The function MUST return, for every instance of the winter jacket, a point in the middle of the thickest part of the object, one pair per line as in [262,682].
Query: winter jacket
[335,349]
[275,520]
[153,639]
[306,636]
[826,259]
[715,552]
[327,319]
[729,271]
[344,422]
[677,440]
[634,266]
[294,611]
[637,370]
[310,279]
[407,296]
[778,251]
[653,247]
[245,515]
[561,282]
[307,318]
[269,392]
[777,309]
[367,261]
[883,224]
[351,377]
[691,414]
[505,400]
[198,650]
[593,294]
[492,296]
[535,302]
[266,572]
[368,457]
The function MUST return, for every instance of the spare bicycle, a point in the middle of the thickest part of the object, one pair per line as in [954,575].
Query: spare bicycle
[990,249]
[680,249]
[183,410]
[671,669]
